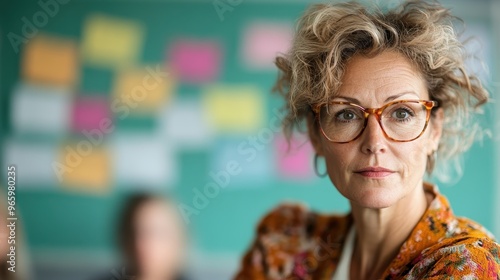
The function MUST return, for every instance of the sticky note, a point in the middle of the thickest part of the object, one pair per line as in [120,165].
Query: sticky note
[248,164]
[143,89]
[111,42]
[50,60]
[184,124]
[33,162]
[235,108]
[262,42]
[143,161]
[195,61]
[84,167]
[89,112]
[40,110]
[294,161]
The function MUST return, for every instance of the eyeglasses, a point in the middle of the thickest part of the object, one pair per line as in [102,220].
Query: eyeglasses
[401,120]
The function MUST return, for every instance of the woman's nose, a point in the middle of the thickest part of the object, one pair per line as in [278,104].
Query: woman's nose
[373,138]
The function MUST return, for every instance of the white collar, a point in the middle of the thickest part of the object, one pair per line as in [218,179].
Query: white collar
[343,267]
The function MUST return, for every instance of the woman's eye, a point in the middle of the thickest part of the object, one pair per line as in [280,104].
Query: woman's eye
[401,114]
[346,115]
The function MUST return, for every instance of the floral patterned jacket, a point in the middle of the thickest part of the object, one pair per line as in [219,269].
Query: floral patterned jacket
[294,243]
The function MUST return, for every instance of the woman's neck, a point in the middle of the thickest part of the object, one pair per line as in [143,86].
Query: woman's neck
[161,275]
[381,232]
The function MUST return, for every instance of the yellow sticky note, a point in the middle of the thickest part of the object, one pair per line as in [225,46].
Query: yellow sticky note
[111,42]
[50,60]
[237,109]
[85,168]
[143,89]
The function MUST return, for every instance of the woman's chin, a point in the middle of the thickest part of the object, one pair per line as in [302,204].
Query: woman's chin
[375,198]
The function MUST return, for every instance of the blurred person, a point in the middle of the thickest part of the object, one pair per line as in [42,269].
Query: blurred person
[22,263]
[152,238]
[382,95]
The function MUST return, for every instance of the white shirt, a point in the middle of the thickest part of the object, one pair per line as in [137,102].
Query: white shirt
[342,271]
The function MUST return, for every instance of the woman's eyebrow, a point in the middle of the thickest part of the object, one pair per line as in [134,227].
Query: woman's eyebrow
[390,98]
[350,99]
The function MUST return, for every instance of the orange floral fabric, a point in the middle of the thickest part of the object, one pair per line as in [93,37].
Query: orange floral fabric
[295,243]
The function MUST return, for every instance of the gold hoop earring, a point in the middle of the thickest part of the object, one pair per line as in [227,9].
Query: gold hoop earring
[316,156]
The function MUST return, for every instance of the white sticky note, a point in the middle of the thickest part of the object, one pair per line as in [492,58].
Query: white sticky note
[143,161]
[33,163]
[41,110]
[184,124]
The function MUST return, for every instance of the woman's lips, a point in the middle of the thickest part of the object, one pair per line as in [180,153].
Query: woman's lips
[374,172]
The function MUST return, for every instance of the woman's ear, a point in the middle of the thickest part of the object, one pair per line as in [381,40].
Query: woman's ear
[314,134]
[437,128]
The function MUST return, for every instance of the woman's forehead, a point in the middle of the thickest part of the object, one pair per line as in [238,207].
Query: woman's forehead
[383,76]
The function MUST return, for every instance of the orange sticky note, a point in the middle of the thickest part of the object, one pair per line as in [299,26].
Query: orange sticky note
[50,60]
[111,42]
[143,89]
[84,167]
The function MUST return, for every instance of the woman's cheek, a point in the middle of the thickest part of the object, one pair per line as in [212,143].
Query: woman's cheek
[415,162]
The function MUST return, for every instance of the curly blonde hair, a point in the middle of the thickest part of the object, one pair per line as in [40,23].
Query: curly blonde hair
[329,34]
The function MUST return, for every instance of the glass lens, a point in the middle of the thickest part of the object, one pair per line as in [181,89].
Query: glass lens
[340,122]
[401,121]
[404,121]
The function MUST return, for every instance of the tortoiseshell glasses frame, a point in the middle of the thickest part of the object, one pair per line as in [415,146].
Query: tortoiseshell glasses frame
[377,112]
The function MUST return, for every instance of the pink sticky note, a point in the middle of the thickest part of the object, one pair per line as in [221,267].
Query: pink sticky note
[195,61]
[262,42]
[89,112]
[294,161]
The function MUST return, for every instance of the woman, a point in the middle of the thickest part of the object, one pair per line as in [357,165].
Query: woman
[382,95]
[152,237]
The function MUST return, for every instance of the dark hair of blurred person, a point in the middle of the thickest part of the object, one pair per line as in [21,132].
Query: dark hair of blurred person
[152,237]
